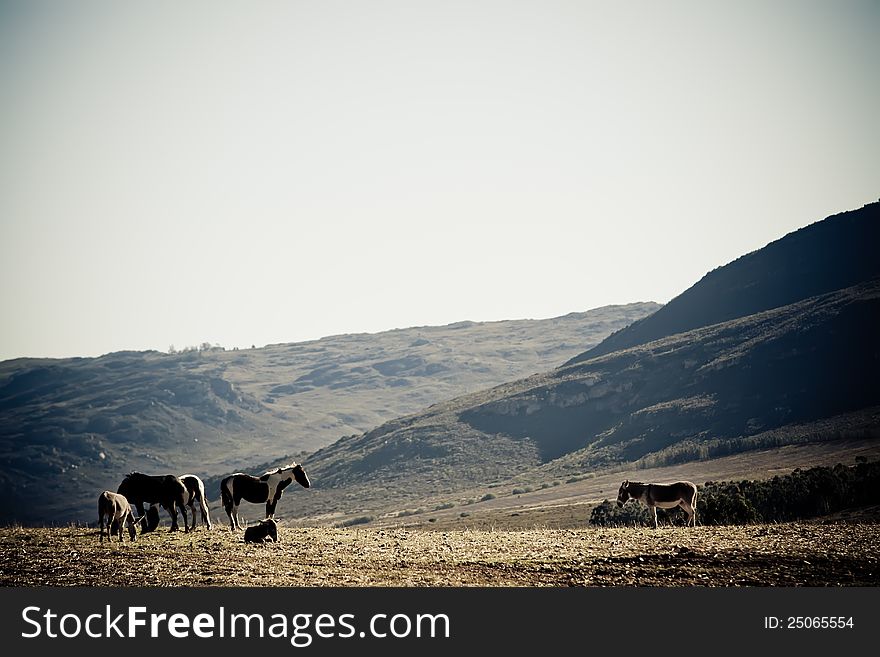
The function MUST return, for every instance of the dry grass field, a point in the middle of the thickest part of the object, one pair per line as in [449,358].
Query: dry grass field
[537,538]
[793,554]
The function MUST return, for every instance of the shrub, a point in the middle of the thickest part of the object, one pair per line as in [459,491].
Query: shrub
[799,495]
[360,520]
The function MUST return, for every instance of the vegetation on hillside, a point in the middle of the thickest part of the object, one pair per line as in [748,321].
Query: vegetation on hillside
[801,495]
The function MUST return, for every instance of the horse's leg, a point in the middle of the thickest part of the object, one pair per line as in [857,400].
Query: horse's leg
[132,526]
[181,504]
[206,515]
[227,506]
[171,508]
[654,509]
[145,525]
[192,512]
[101,526]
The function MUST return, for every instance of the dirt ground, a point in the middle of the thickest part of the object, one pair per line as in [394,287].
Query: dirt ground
[791,554]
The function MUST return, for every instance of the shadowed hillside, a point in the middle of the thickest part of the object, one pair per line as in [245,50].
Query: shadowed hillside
[792,372]
[793,365]
[84,422]
[822,257]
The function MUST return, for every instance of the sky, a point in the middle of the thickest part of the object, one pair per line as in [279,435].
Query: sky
[248,173]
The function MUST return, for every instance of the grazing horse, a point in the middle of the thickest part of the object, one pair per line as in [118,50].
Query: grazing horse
[166,490]
[118,512]
[195,490]
[666,496]
[267,488]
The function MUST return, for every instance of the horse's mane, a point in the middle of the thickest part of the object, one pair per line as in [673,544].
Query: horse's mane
[279,470]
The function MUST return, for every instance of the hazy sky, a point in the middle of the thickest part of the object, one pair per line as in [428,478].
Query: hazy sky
[256,172]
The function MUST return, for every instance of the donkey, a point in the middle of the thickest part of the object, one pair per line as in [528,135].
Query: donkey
[267,488]
[666,496]
[117,510]
[167,490]
[195,490]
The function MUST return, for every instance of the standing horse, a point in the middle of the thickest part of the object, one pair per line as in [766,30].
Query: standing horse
[195,490]
[117,510]
[267,488]
[666,496]
[167,490]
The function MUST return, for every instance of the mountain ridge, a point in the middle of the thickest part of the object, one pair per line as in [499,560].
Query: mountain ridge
[623,407]
[88,421]
[745,382]
[826,255]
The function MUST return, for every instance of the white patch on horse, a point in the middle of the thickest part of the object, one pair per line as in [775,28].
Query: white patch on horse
[268,488]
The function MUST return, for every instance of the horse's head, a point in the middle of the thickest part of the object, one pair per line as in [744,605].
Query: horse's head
[271,528]
[623,494]
[300,475]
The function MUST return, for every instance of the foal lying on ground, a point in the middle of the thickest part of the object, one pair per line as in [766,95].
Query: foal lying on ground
[118,511]
[260,533]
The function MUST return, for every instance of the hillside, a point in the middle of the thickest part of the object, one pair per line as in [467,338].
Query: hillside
[754,381]
[828,255]
[85,422]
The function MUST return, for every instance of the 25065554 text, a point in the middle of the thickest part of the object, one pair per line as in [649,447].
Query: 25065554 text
[808,623]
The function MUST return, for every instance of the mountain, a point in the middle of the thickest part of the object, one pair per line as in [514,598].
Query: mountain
[84,422]
[828,255]
[803,371]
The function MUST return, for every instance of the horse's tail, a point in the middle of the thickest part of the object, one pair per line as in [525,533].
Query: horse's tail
[226,492]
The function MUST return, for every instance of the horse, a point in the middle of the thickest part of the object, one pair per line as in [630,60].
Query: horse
[262,532]
[195,489]
[118,512]
[167,490]
[267,488]
[666,496]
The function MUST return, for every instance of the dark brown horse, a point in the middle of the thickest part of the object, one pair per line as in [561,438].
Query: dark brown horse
[167,490]
[666,496]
